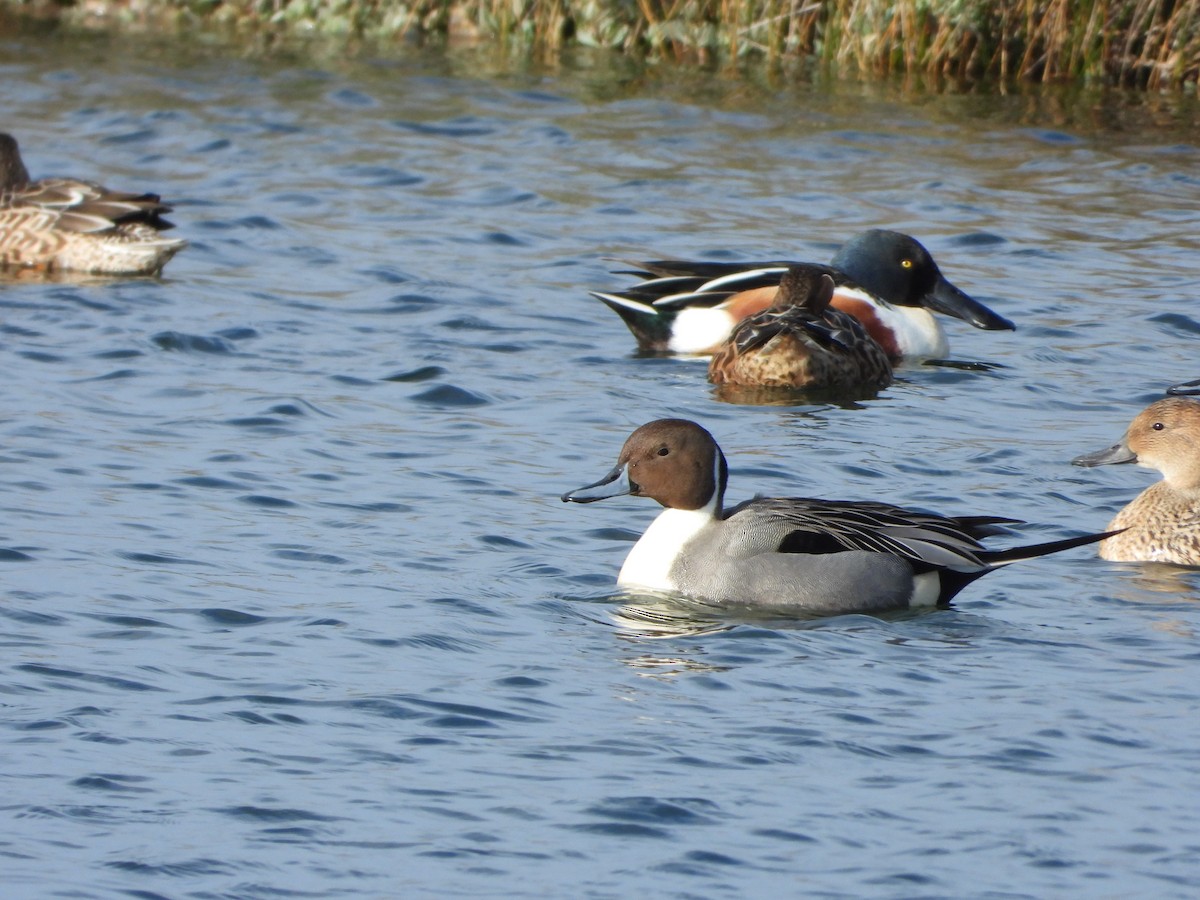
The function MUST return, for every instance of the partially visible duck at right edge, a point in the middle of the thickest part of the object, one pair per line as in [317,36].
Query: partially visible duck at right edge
[1162,524]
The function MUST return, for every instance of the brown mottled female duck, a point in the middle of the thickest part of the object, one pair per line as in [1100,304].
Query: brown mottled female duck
[63,224]
[801,342]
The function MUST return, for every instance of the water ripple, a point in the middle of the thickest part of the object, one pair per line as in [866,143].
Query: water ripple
[65,678]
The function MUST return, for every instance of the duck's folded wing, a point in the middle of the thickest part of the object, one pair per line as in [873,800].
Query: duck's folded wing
[671,285]
[756,331]
[87,207]
[673,278]
[671,294]
[833,329]
[705,270]
[985,526]
[829,526]
[836,329]
[56,193]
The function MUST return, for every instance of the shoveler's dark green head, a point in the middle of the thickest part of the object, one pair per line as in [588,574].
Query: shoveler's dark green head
[897,268]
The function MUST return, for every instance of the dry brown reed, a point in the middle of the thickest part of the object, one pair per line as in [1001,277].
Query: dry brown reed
[1146,43]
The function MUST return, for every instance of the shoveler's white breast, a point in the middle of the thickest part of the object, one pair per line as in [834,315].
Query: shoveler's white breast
[914,331]
[649,563]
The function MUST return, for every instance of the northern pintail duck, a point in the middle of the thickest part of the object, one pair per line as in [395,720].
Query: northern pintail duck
[885,279]
[1162,524]
[60,224]
[820,557]
[801,341]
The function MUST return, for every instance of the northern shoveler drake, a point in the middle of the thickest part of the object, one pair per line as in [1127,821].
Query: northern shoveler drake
[801,341]
[885,279]
[62,224]
[820,557]
[1162,524]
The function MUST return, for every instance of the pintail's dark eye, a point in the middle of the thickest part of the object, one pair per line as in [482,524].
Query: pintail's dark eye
[664,451]
[1157,426]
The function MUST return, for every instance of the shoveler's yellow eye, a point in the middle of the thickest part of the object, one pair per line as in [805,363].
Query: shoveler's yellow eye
[906,263]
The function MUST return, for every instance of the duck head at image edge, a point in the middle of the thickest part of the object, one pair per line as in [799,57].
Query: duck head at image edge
[822,557]
[1161,524]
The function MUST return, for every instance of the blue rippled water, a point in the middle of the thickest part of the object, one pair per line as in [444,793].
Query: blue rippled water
[291,606]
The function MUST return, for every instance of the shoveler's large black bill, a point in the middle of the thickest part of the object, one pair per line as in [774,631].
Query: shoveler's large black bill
[948,299]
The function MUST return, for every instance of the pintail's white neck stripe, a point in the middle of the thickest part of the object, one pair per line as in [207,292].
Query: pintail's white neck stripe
[718,495]
[652,559]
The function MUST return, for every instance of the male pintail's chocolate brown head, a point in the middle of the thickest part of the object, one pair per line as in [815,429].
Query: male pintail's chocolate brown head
[673,461]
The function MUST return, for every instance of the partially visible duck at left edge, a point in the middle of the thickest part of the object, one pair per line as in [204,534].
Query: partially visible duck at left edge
[65,224]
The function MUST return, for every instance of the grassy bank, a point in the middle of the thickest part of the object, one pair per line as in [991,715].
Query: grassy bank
[1144,43]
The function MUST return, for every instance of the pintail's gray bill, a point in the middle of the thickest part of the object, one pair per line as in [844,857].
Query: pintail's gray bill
[610,485]
[1109,456]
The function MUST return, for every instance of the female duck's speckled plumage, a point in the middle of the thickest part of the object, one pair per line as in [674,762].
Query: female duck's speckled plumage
[62,224]
[1162,524]
[818,557]
[801,342]
[885,279]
